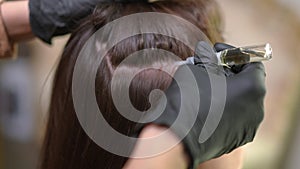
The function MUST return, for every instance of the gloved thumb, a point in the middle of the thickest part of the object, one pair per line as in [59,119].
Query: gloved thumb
[205,54]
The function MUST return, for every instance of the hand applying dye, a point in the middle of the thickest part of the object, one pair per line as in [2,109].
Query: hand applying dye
[243,111]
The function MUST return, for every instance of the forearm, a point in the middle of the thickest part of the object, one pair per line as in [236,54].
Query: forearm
[176,158]
[15,15]
[233,160]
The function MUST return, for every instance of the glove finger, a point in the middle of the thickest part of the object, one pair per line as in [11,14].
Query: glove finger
[250,67]
[251,80]
[228,71]
[222,46]
[205,54]
[236,68]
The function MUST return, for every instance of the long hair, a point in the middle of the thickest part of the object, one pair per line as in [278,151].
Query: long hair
[66,145]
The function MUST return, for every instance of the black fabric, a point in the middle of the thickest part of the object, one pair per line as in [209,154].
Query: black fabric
[57,17]
[49,18]
[243,112]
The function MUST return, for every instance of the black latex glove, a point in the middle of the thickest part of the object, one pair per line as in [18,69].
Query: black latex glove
[49,18]
[243,111]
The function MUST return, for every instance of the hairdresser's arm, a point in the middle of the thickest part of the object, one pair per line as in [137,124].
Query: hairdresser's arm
[15,16]
[234,160]
[14,26]
[176,158]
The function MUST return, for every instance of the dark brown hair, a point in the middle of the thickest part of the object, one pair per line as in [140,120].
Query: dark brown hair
[66,145]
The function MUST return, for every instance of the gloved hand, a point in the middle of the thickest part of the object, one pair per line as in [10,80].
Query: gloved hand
[243,108]
[58,17]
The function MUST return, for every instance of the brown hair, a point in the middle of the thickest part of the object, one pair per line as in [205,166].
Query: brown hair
[66,145]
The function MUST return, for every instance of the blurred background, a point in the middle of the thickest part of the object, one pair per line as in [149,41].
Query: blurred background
[25,85]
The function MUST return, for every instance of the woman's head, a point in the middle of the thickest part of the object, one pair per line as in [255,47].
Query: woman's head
[66,144]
